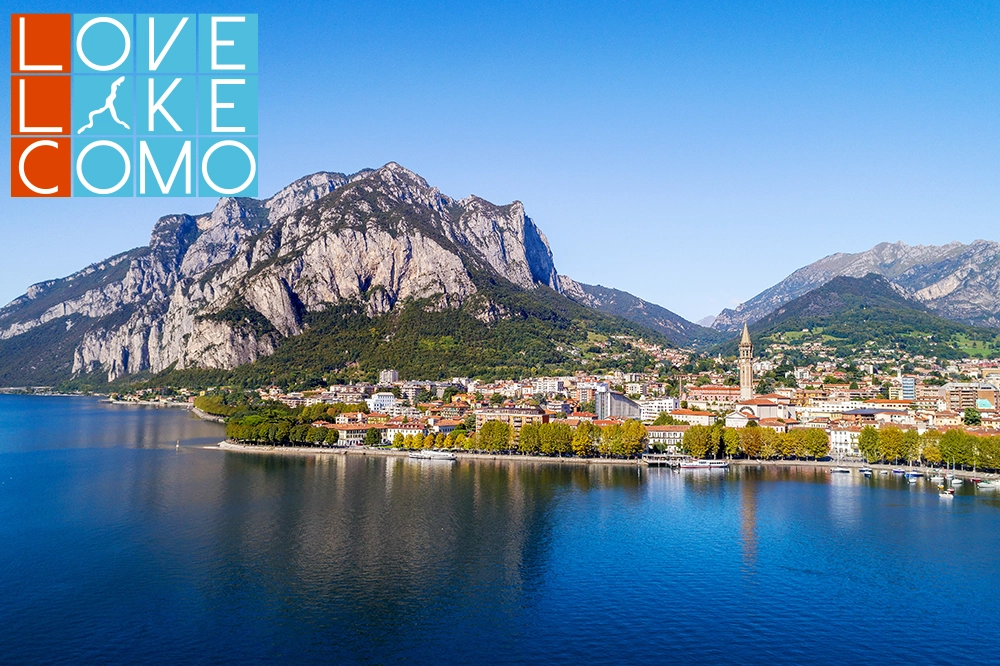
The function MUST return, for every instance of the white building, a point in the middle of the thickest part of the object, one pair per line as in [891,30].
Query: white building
[387,377]
[650,408]
[844,441]
[667,438]
[382,402]
[546,385]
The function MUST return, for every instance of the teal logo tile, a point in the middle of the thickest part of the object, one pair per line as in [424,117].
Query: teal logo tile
[227,167]
[227,105]
[166,44]
[166,168]
[103,167]
[103,105]
[103,44]
[165,105]
[227,43]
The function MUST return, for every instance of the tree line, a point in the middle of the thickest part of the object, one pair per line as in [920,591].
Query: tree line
[952,447]
[755,442]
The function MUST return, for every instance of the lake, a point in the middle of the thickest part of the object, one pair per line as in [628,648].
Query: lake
[116,546]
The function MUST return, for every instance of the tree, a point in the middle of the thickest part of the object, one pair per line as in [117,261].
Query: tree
[972,417]
[529,441]
[331,436]
[699,441]
[585,439]
[751,441]
[666,419]
[494,436]
[817,443]
[891,444]
[633,438]
[611,438]
[868,443]
[397,441]
[731,441]
[429,441]
[497,399]
[373,437]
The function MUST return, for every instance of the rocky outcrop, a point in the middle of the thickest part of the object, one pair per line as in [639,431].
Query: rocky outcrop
[678,330]
[956,281]
[221,289]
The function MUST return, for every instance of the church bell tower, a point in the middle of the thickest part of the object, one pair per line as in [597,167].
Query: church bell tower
[746,365]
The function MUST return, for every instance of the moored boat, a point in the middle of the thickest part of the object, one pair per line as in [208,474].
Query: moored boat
[947,493]
[432,455]
[899,470]
[840,470]
[705,464]
[989,485]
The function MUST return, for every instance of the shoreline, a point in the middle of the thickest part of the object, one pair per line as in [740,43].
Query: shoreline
[405,453]
[634,462]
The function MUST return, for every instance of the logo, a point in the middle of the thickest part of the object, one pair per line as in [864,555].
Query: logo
[149,105]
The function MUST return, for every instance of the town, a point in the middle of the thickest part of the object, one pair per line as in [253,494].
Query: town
[756,407]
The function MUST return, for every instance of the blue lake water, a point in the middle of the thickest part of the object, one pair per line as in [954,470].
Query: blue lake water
[117,547]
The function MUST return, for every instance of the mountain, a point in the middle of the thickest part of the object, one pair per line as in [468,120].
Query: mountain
[677,329]
[849,313]
[378,259]
[956,281]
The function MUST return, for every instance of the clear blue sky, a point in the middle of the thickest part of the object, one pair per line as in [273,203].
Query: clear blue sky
[693,153]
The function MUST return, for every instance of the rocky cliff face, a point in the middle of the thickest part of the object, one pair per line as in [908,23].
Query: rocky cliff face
[956,281]
[222,289]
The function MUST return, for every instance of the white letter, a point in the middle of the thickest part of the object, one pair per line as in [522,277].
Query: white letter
[216,20]
[103,190]
[24,158]
[216,105]
[246,151]
[158,105]
[34,68]
[83,31]
[34,130]
[154,62]
[184,156]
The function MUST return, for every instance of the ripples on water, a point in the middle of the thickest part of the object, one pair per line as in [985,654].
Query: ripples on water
[118,547]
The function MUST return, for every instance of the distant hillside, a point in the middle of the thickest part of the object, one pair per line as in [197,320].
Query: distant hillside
[849,313]
[677,329]
[956,281]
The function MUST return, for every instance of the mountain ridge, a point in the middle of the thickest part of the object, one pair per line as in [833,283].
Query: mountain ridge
[957,281]
[226,288]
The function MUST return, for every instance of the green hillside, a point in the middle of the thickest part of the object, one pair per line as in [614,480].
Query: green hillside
[847,314]
[501,332]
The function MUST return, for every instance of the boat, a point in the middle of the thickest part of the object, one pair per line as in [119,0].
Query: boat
[938,479]
[433,455]
[956,481]
[884,472]
[899,470]
[989,485]
[840,470]
[705,464]
[947,493]
[914,474]
[866,471]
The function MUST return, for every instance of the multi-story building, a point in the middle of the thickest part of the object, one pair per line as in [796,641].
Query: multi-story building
[650,408]
[909,388]
[387,377]
[959,396]
[611,404]
[382,402]
[668,438]
[694,417]
[547,385]
[515,417]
